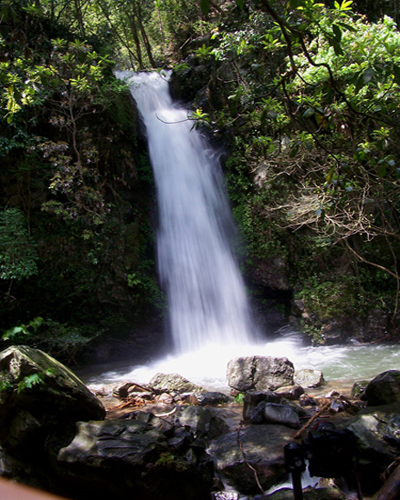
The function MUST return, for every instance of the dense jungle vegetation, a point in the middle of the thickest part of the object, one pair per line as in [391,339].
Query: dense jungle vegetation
[304,97]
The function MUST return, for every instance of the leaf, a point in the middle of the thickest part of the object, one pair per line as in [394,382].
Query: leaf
[240,3]
[333,42]
[13,332]
[346,5]
[337,31]
[29,381]
[347,27]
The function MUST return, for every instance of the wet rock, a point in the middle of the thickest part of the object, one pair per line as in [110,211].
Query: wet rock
[39,395]
[358,389]
[378,441]
[256,446]
[173,382]
[291,392]
[253,398]
[213,399]
[275,413]
[203,422]
[126,388]
[139,458]
[383,389]
[259,372]
[308,378]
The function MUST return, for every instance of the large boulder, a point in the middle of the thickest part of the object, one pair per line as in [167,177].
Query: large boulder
[378,441]
[144,457]
[383,389]
[260,373]
[254,449]
[38,395]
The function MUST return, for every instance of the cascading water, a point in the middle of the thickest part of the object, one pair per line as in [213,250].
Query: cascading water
[209,313]
[206,295]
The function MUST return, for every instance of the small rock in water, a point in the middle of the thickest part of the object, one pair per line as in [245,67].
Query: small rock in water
[173,382]
[308,378]
[290,392]
[274,413]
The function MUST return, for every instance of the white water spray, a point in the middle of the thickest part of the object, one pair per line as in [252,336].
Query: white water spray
[206,294]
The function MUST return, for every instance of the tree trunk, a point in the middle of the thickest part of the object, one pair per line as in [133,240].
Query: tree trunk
[143,33]
[132,24]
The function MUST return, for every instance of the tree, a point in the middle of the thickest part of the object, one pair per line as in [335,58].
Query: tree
[17,251]
[321,137]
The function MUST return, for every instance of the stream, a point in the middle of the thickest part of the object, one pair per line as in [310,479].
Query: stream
[341,364]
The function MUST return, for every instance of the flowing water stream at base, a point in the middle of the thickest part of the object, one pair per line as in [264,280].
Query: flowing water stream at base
[207,366]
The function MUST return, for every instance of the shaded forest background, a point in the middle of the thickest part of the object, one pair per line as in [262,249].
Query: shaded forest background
[301,96]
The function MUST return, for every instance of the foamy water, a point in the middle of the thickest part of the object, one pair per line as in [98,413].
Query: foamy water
[207,366]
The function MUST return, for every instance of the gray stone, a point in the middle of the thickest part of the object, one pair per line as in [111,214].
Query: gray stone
[383,389]
[203,422]
[378,440]
[291,392]
[213,399]
[253,398]
[139,458]
[259,372]
[173,382]
[275,413]
[256,446]
[308,378]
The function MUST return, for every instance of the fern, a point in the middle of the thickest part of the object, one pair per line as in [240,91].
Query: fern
[30,381]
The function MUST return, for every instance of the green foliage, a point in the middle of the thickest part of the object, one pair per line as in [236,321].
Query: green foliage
[18,333]
[30,381]
[17,250]
[64,341]
[201,118]
[311,95]
[330,299]
[143,287]
[239,398]
[5,386]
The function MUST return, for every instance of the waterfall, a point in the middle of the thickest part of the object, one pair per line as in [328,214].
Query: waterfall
[207,302]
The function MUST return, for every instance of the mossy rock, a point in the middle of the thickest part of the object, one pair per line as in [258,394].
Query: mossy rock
[38,396]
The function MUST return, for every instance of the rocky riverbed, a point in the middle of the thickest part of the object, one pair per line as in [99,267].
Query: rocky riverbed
[172,439]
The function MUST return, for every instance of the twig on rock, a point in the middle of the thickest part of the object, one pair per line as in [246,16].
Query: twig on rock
[245,459]
[311,420]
